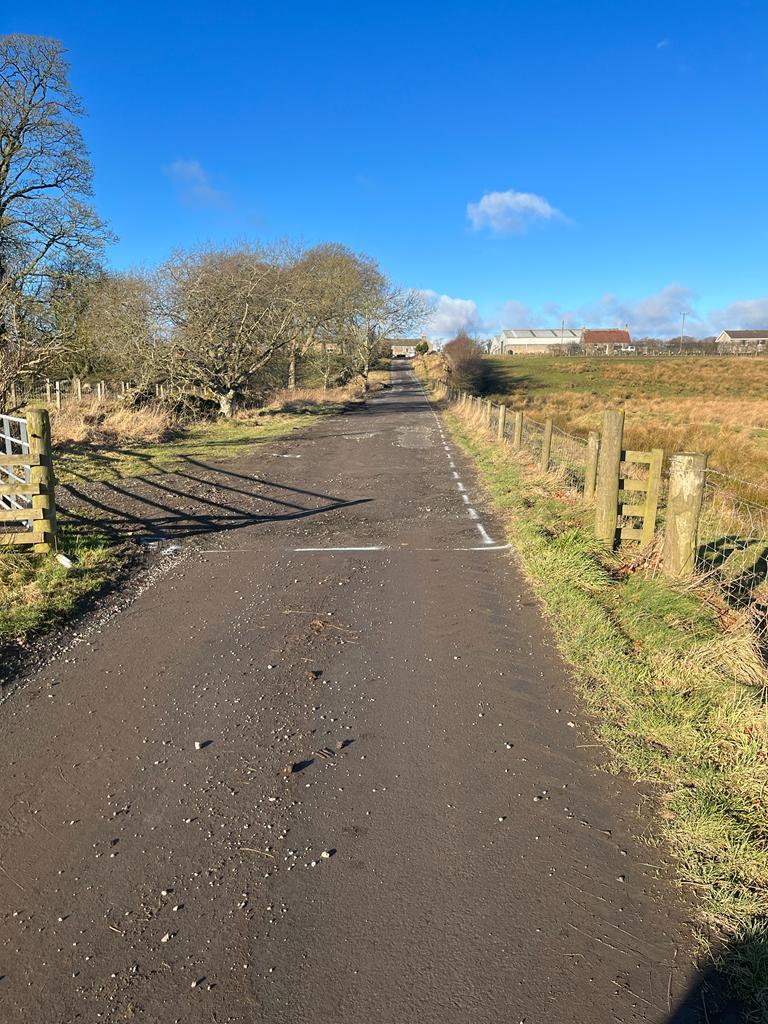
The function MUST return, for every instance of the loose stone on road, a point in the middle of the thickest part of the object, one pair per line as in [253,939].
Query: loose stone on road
[328,767]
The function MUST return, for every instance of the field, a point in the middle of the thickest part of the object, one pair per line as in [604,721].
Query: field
[714,405]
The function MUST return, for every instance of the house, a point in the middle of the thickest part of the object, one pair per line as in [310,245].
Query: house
[535,341]
[742,343]
[606,342]
[406,347]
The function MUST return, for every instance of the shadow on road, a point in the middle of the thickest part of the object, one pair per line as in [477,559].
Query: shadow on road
[194,499]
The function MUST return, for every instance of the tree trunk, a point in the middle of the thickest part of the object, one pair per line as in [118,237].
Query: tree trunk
[228,404]
[292,370]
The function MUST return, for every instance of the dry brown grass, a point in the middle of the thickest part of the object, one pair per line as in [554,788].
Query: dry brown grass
[309,399]
[106,423]
[716,406]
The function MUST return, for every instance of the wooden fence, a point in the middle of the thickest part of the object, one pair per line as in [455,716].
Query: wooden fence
[27,500]
[707,523]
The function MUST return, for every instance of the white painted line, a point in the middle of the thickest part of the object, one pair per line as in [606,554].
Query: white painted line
[461,486]
[465,498]
[483,534]
[472,514]
[374,548]
[487,547]
[455,475]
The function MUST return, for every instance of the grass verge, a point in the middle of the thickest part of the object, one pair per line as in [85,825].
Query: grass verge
[36,591]
[679,701]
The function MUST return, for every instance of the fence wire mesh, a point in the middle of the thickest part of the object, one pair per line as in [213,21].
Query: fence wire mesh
[533,437]
[733,539]
[569,455]
[732,550]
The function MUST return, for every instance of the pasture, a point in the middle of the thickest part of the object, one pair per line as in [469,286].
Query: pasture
[717,405]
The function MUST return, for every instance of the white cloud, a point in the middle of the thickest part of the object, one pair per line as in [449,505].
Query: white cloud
[744,315]
[194,185]
[513,314]
[510,212]
[658,314]
[448,315]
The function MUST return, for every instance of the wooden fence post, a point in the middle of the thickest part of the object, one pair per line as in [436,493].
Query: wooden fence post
[39,430]
[546,446]
[79,388]
[608,473]
[502,422]
[58,395]
[488,411]
[48,391]
[687,476]
[517,437]
[590,476]
[14,401]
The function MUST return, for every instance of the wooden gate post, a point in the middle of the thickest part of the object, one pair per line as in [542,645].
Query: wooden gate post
[590,475]
[39,431]
[502,422]
[687,476]
[608,472]
[546,446]
[517,437]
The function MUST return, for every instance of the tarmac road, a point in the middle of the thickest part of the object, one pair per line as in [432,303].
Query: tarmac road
[348,641]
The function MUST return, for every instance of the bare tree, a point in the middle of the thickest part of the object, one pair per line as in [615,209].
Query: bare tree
[465,360]
[225,314]
[45,183]
[379,310]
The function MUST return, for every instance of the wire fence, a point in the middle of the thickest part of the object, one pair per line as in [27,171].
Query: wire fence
[731,550]
[57,394]
[733,540]
[569,455]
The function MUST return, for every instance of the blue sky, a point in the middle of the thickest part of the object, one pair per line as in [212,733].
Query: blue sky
[601,162]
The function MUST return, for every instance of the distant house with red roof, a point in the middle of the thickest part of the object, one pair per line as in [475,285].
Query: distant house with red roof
[606,342]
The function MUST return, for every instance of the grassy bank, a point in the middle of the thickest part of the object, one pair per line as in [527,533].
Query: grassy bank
[678,700]
[716,405]
[109,442]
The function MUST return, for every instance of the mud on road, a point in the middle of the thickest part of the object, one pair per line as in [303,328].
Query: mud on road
[325,766]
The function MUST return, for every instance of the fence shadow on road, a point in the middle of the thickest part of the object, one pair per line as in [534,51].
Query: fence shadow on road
[194,498]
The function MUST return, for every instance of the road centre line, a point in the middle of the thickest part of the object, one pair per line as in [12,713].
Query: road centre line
[484,534]
[377,547]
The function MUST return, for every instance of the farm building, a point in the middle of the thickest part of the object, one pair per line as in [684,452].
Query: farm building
[535,341]
[749,343]
[606,342]
[407,346]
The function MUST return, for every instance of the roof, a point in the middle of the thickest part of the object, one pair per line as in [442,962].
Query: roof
[606,337]
[747,334]
[551,335]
